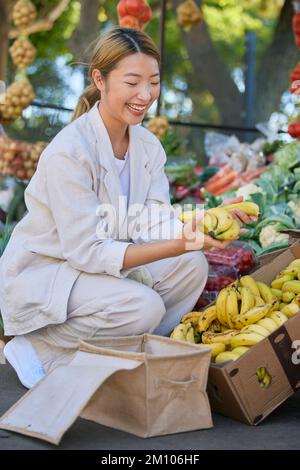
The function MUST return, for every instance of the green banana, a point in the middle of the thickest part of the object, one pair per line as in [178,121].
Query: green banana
[287,297]
[277,292]
[291,286]
[279,281]
[260,373]
[290,310]
[263,377]
[190,337]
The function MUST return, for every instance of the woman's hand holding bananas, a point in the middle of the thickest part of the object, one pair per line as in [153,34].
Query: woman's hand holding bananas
[194,237]
[217,227]
[242,217]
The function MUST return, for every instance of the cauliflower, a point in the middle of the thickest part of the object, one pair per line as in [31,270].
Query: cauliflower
[295,206]
[268,236]
[247,190]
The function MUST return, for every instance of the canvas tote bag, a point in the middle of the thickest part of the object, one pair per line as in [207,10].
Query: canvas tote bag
[146,385]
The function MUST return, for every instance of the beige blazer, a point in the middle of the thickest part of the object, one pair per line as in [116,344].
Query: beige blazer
[66,229]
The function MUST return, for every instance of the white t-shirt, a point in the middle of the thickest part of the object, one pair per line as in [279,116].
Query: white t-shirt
[124,174]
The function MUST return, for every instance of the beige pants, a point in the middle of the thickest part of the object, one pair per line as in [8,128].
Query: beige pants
[103,305]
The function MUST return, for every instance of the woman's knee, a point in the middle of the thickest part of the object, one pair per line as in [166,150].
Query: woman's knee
[197,263]
[150,310]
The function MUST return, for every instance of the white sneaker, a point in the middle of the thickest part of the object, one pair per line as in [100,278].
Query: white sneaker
[21,355]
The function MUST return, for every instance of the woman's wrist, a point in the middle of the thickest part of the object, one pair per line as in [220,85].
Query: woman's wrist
[177,247]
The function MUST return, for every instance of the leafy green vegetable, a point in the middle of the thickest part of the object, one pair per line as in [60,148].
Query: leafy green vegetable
[255,246]
[273,247]
[5,236]
[207,173]
[283,219]
[260,200]
[271,147]
[288,156]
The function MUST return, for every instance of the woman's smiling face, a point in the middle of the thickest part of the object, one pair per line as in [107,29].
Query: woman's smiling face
[130,89]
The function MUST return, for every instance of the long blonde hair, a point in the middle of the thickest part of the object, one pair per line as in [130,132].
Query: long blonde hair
[108,51]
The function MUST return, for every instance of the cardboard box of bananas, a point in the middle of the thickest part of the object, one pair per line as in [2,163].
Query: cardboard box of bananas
[244,313]
[218,221]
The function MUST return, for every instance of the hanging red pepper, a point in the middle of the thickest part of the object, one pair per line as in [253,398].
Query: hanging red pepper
[296,23]
[294,130]
[295,73]
[296,28]
[134,13]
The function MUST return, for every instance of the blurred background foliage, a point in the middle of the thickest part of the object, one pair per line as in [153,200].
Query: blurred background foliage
[191,91]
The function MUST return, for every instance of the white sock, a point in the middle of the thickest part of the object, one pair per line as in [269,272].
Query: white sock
[21,355]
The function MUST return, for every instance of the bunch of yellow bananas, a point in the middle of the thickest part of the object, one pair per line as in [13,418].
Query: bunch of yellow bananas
[245,302]
[263,377]
[244,314]
[286,286]
[184,332]
[219,223]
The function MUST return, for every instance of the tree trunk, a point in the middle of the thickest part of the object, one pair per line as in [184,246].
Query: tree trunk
[211,71]
[86,30]
[273,73]
[4,28]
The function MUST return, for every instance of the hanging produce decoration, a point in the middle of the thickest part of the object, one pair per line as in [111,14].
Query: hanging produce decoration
[23,53]
[296,28]
[18,96]
[134,14]
[188,14]
[294,77]
[294,125]
[20,93]
[158,126]
[24,13]
[19,159]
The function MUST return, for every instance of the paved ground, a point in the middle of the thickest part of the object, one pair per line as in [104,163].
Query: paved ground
[281,430]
